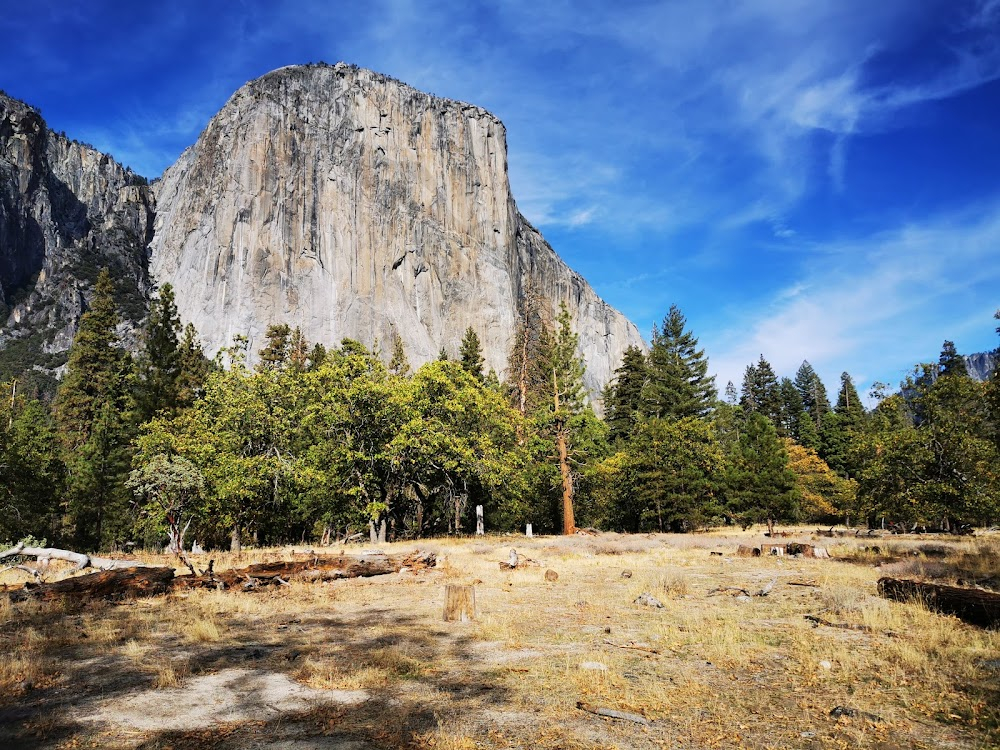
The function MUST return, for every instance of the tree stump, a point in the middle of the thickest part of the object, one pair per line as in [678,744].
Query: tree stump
[459,603]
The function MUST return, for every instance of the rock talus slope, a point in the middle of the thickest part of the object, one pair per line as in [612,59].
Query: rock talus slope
[351,205]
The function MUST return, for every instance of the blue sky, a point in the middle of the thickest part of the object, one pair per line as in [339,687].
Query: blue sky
[806,179]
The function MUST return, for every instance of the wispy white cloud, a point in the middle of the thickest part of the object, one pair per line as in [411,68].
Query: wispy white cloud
[924,283]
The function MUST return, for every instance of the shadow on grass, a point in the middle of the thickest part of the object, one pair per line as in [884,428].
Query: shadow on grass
[416,693]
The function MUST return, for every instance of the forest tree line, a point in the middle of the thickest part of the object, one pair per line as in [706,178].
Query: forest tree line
[315,443]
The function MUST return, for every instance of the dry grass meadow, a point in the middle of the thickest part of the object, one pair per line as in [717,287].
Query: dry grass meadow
[370,663]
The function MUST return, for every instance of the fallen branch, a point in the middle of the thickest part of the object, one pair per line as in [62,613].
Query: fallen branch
[80,560]
[632,646]
[817,621]
[729,590]
[812,584]
[974,606]
[612,714]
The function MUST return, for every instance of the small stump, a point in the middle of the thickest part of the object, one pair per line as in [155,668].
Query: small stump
[459,603]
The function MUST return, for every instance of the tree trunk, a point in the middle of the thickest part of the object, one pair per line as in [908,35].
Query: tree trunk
[235,543]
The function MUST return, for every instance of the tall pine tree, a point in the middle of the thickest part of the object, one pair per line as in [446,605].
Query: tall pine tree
[92,411]
[470,352]
[761,392]
[158,364]
[623,400]
[813,393]
[678,384]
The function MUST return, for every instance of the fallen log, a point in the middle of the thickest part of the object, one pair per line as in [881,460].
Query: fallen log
[314,569]
[149,581]
[113,585]
[974,606]
[79,559]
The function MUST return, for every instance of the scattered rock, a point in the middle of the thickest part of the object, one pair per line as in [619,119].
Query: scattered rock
[825,665]
[626,574]
[551,575]
[742,599]
[648,600]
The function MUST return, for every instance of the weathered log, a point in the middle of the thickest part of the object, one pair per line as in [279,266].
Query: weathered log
[315,568]
[80,560]
[121,583]
[974,606]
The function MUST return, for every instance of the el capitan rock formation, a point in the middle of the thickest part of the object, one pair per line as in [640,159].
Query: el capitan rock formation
[347,203]
[326,197]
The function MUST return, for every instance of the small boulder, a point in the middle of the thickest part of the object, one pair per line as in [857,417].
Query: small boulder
[648,600]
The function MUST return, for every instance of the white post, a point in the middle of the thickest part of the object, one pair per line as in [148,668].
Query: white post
[527,530]
[479,521]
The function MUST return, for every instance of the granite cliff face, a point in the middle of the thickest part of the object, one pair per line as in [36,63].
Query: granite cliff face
[981,365]
[66,211]
[351,205]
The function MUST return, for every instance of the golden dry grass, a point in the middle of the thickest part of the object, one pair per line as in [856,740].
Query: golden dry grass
[711,668]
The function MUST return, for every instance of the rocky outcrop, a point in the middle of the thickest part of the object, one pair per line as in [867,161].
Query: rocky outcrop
[351,205]
[66,211]
[980,366]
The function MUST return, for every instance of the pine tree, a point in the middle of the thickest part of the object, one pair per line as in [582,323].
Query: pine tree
[274,356]
[528,375]
[317,356]
[158,363]
[193,368]
[471,354]
[298,351]
[760,486]
[567,394]
[806,433]
[951,362]
[791,409]
[813,393]
[91,409]
[732,395]
[678,384]
[849,405]
[399,364]
[623,402]
[761,393]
